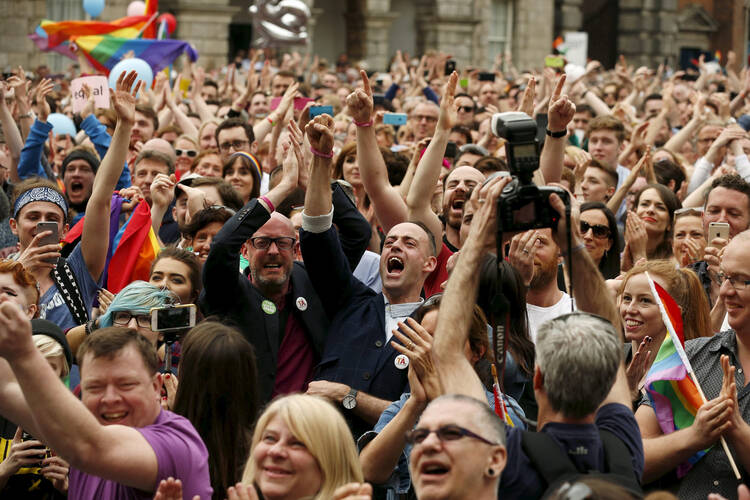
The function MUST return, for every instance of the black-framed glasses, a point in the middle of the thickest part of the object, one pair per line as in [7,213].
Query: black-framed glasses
[736,283]
[237,145]
[123,318]
[466,109]
[191,153]
[264,243]
[444,433]
[600,230]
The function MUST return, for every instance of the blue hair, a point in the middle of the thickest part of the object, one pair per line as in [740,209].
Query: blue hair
[139,297]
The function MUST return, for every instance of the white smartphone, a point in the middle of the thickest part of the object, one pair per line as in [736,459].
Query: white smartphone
[718,230]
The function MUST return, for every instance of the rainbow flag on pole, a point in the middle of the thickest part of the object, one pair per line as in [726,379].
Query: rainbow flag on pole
[135,247]
[63,31]
[104,51]
[669,383]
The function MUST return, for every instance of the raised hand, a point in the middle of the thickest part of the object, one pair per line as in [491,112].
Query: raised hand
[123,98]
[638,365]
[242,492]
[353,491]
[447,116]
[39,260]
[43,109]
[320,134]
[561,109]
[529,94]
[636,236]
[522,252]
[88,108]
[359,103]
[15,333]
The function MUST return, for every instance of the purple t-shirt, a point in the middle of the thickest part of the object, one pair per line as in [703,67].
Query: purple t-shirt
[180,453]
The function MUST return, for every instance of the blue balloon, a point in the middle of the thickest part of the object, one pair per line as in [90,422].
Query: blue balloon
[93,7]
[61,124]
[141,67]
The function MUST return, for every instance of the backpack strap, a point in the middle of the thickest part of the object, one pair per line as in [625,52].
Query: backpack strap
[546,456]
[71,294]
[618,462]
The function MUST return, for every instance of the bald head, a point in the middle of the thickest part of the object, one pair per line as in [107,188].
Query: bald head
[161,146]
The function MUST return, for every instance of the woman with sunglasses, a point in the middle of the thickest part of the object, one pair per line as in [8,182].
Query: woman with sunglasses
[186,149]
[600,235]
[689,240]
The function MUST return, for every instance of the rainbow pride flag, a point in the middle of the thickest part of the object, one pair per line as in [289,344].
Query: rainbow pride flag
[670,387]
[62,31]
[104,51]
[135,247]
[152,8]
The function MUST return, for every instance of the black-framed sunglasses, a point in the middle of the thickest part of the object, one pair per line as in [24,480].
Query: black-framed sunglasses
[600,230]
[444,433]
[466,109]
[191,153]
[123,318]
[264,243]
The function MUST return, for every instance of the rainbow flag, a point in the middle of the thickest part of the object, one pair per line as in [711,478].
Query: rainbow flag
[104,51]
[670,387]
[500,409]
[62,31]
[135,247]
[152,7]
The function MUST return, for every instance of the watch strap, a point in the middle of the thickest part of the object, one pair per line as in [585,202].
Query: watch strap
[557,135]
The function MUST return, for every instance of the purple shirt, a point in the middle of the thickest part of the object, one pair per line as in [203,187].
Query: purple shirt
[180,453]
[296,360]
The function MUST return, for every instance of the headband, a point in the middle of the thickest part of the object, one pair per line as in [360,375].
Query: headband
[40,194]
[80,154]
[253,161]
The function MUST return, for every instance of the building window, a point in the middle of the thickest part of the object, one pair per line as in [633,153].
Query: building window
[500,29]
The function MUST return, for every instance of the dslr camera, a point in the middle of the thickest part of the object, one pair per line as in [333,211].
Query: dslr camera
[523,205]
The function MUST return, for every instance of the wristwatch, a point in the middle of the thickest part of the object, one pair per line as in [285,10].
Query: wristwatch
[557,135]
[350,400]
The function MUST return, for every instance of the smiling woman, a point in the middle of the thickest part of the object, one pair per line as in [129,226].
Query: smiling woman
[655,205]
[302,448]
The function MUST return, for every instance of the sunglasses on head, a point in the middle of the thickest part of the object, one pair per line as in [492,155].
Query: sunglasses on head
[600,231]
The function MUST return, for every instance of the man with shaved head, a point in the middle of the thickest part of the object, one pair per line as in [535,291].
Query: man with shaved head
[273,304]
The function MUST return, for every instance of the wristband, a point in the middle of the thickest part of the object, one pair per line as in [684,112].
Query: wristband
[576,248]
[557,135]
[268,202]
[269,120]
[363,124]
[26,115]
[320,153]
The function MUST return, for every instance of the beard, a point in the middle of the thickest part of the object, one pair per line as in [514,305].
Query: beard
[544,274]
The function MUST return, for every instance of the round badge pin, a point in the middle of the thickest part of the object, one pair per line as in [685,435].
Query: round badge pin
[401,362]
[301,303]
[268,307]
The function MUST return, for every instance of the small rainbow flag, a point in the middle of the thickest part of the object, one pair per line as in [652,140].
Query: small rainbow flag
[500,409]
[672,391]
[717,56]
[104,51]
[135,247]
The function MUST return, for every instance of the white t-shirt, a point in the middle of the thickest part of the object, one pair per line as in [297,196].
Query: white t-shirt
[538,315]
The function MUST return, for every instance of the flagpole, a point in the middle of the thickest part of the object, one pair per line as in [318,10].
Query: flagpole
[150,20]
[689,368]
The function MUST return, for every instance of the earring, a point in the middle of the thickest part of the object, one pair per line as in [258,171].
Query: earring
[491,472]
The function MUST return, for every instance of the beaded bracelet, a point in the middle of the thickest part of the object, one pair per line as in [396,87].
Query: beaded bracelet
[320,153]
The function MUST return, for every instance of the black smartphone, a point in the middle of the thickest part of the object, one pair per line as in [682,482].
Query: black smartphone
[451,150]
[486,77]
[378,99]
[43,451]
[450,67]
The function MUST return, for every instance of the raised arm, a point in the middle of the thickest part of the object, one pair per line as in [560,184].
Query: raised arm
[10,130]
[114,452]
[182,120]
[456,308]
[561,111]
[614,203]
[390,208]
[93,246]
[419,199]
[263,127]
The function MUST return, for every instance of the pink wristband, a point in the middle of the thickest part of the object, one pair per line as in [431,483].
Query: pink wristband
[363,124]
[321,154]
[268,202]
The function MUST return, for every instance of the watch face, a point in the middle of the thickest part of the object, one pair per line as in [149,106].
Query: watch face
[349,402]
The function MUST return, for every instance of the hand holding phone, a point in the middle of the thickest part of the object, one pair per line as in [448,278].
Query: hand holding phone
[51,239]
[717,230]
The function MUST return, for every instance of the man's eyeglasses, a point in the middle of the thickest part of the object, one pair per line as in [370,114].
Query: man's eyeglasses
[444,433]
[237,145]
[428,119]
[466,109]
[736,283]
[264,243]
[123,318]
[189,152]
[600,231]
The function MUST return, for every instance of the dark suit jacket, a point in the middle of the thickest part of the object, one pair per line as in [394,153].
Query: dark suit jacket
[356,351]
[230,295]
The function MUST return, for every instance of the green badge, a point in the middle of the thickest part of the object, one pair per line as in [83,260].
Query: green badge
[268,307]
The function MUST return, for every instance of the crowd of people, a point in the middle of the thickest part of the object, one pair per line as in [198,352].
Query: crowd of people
[361,330]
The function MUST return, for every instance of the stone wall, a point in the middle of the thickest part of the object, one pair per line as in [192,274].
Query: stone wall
[20,17]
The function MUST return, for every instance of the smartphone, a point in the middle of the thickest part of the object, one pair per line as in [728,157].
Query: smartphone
[486,77]
[451,150]
[378,99]
[718,230]
[554,62]
[43,450]
[320,110]
[394,119]
[179,317]
[450,67]
[52,239]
